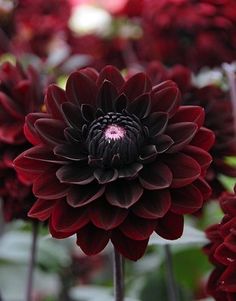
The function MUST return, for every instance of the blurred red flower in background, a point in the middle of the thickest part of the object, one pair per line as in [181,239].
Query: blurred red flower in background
[21,92]
[218,117]
[222,252]
[116,159]
[194,33]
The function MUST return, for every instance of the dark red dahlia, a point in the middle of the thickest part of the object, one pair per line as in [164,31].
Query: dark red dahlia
[194,33]
[222,252]
[38,24]
[218,117]
[20,93]
[116,160]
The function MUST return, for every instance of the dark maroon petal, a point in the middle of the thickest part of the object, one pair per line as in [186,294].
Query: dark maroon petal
[81,195]
[106,97]
[72,115]
[227,281]
[29,129]
[42,153]
[42,209]
[189,114]
[105,216]
[204,139]
[75,174]
[90,72]
[59,234]
[130,171]
[137,228]
[140,106]
[129,248]
[230,240]
[104,176]
[162,143]
[30,168]
[156,123]
[166,99]
[186,200]
[136,86]
[123,194]
[55,96]
[153,204]
[51,131]
[121,103]
[170,226]
[88,112]
[73,135]
[81,89]
[148,154]
[182,133]
[71,152]
[184,169]
[67,219]
[155,176]
[203,158]
[224,255]
[111,74]
[47,186]
[204,187]
[92,240]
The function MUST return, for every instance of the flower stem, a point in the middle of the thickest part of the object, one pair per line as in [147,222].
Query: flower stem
[172,290]
[118,276]
[29,287]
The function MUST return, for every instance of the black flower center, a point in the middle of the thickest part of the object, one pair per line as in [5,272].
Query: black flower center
[115,139]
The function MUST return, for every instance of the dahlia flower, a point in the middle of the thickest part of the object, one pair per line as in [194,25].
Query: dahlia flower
[194,33]
[116,160]
[222,252]
[218,117]
[20,93]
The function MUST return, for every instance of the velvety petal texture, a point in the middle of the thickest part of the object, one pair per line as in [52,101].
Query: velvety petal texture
[114,161]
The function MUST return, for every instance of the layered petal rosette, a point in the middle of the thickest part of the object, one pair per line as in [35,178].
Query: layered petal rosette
[116,160]
[222,252]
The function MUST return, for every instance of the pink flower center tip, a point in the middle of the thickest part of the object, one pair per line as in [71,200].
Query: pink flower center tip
[114,132]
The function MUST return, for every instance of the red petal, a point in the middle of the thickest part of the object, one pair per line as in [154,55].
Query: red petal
[47,186]
[136,86]
[204,139]
[29,129]
[105,216]
[51,131]
[203,158]
[90,72]
[72,115]
[55,96]
[227,281]
[166,98]
[182,133]
[104,176]
[137,228]
[80,89]
[155,176]
[129,248]
[111,74]
[189,114]
[153,204]
[79,195]
[42,153]
[170,226]
[92,240]
[69,151]
[123,193]
[186,200]
[184,169]
[42,209]
[75,174]
[140,106]
[67,219]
